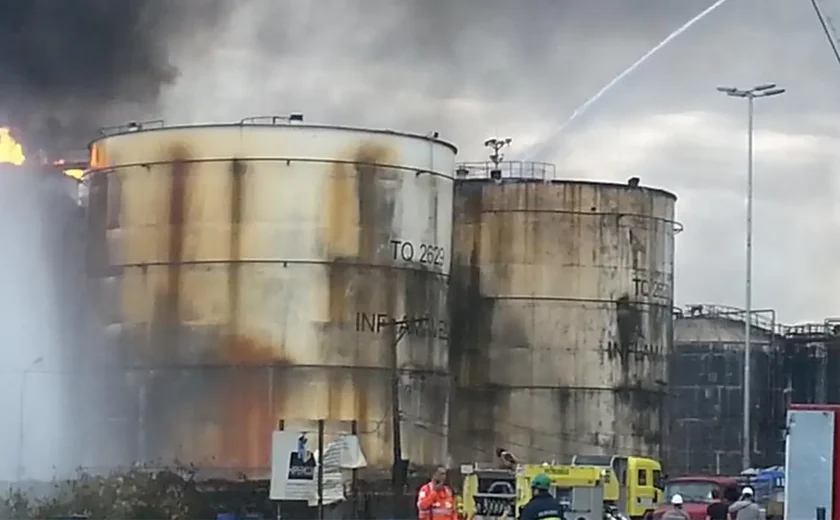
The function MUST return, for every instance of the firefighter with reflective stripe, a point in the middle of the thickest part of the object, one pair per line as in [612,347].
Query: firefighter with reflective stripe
[542,505]
[435,500]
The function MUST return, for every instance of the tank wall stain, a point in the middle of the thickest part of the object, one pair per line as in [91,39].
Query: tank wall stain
[563,318]
[248,275]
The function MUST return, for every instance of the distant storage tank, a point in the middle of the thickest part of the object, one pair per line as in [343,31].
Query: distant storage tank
[252,273]
[788,364]
[562,295]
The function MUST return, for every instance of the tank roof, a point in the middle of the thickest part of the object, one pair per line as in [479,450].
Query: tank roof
[160,126]
[519,172]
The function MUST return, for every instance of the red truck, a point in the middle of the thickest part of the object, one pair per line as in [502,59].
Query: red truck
[696,491]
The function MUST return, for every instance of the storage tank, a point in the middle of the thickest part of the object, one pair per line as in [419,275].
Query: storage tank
[562,294]
[706,406]
[788,364]
[257,272]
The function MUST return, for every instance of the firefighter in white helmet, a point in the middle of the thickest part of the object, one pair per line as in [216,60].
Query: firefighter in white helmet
[676,511]
[745,508]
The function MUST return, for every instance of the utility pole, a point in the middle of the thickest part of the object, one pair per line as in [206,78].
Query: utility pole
[403,328]
[759,91]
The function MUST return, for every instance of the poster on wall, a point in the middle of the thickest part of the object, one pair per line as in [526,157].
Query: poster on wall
[293,466]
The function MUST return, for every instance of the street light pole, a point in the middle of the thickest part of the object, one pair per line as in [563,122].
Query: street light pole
[26,371]
[759,91]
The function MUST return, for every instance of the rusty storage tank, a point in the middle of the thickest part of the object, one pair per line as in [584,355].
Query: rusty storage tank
[562,295]
[253,272]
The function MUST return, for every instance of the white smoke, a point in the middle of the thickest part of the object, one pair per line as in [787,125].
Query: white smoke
[32,349]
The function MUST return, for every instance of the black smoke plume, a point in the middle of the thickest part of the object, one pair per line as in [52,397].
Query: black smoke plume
[63,63]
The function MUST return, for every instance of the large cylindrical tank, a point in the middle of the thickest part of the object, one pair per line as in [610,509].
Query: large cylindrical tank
[253,273]
[563,294]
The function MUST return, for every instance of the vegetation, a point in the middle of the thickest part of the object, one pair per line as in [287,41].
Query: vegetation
[139,493]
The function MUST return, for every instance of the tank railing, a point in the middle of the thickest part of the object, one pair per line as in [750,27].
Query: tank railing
[131,126]
[758,317]
[830,328]
[272,120]
[513,170]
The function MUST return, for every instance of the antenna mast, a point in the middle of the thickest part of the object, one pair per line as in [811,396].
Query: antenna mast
[495,144]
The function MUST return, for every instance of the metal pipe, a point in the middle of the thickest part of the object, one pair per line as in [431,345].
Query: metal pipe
[354,429]
[320,469]
[746,447]
[396,425]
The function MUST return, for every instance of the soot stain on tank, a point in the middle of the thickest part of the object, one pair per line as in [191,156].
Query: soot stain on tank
[374,211]
[165,347]
[646,407]
[471,316]
[376,200]
[628,330]
[167,305]
[360,207]
[238,170]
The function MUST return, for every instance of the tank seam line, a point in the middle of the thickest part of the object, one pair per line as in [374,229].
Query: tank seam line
[585,213]
[580,300]
[274,261]
[261,366]
[401,168]
[555,387]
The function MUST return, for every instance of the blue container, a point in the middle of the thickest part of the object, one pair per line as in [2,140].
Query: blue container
[226,516]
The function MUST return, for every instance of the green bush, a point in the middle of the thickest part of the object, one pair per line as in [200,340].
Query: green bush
[137,494]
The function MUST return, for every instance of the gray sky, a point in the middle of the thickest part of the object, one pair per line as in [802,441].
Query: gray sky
[475,68]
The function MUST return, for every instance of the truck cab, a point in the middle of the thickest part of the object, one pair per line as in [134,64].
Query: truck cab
[696,491]
[633,485]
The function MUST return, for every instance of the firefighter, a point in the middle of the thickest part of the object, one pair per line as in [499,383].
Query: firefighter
[542,505]
[435,500]
[676,511]
[745,508]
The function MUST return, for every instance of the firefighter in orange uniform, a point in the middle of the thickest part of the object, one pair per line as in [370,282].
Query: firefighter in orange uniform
[435,500]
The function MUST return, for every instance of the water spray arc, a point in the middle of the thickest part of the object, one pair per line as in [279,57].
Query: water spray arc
[827,30]
[535,151]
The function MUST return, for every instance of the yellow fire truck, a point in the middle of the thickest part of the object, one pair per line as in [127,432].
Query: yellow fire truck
[633,485]
[491,493]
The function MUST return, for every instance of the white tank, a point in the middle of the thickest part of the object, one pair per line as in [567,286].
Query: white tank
[251,274]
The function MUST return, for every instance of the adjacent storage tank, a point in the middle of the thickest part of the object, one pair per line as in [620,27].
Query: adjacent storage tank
[252,273]
[706,381]
[562,295]
[788,364]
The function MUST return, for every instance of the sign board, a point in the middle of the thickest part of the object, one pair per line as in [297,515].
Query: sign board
[293,466]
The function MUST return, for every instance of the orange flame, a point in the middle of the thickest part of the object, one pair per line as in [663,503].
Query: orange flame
[11,152]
